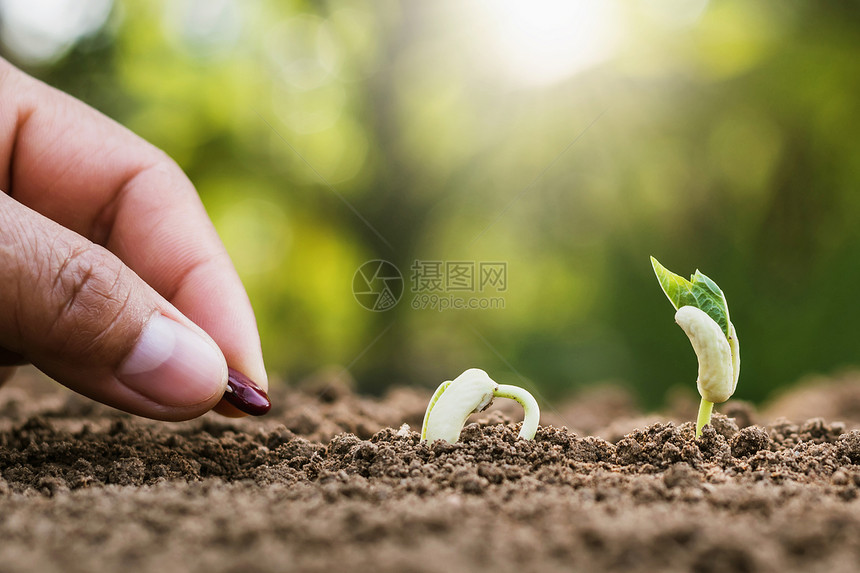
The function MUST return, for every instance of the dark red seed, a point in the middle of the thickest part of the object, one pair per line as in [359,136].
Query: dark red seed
[245,395]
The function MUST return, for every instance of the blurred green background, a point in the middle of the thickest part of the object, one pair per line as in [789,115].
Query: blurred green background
[570,140]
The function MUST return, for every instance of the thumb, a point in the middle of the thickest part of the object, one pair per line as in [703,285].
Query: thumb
[80,315]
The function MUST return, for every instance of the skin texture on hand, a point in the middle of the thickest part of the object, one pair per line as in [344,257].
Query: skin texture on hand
[110,263]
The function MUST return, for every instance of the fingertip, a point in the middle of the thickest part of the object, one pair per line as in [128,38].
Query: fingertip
[255,370]
[173,365]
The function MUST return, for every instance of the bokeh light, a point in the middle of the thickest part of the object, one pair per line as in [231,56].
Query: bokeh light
[38,32]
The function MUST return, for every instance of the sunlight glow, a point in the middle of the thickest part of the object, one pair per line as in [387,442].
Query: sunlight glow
[545,41]
[675,13]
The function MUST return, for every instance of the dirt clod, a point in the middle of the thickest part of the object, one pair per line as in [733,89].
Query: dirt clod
[748,441]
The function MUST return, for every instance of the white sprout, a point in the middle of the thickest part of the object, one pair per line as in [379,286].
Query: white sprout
[719,359]
[472,391]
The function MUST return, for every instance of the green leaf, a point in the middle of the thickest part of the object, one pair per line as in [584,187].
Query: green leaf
[677,288]
[700,292]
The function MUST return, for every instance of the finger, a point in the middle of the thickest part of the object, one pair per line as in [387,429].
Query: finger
[93,176]
[8,358]
[79,314]
[185,261]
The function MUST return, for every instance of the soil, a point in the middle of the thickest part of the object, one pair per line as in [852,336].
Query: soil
[330,481]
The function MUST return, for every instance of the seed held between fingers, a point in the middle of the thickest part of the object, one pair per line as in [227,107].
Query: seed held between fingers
[245,395]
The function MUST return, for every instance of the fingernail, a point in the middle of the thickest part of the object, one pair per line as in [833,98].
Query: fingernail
[245,395]
[172,365]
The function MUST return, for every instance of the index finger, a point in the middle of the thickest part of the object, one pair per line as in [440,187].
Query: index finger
[83,170]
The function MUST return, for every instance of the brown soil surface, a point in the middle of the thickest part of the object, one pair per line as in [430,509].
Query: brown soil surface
[331,482]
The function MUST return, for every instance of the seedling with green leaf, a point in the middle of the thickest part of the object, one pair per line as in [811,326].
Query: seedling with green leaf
[472,391]
[704,315]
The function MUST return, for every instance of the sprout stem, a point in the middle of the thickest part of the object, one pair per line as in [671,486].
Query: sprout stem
[529,404]
[705,410]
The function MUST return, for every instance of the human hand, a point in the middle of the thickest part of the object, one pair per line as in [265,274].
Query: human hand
[114,281]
